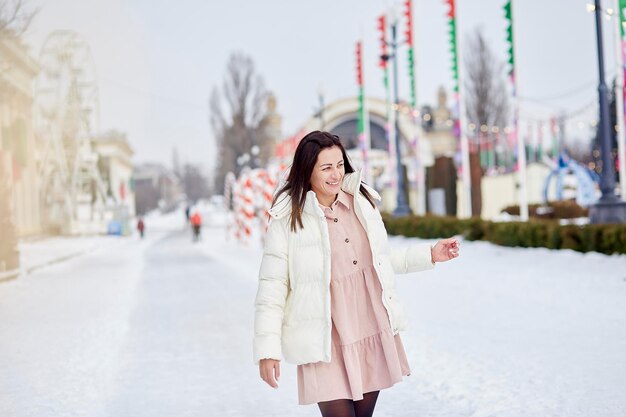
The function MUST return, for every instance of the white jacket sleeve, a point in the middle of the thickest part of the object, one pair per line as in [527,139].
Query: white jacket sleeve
[412,258]
[271,293]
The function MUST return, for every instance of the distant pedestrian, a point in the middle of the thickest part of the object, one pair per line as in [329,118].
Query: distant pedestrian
[141,227]
[196,225]
[187,214]
[326,297]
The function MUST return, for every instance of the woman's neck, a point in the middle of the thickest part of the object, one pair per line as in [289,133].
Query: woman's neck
[327,202]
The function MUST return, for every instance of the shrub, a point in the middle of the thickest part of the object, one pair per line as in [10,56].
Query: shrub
[603,238]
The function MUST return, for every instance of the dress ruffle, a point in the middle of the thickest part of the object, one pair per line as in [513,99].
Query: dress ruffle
[365,354]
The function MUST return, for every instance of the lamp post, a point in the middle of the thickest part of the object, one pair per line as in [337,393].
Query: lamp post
[609,209]
[402,207]
[255,151]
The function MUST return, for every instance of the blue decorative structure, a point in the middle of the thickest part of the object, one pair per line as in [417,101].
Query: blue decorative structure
[587,181]
[114,227]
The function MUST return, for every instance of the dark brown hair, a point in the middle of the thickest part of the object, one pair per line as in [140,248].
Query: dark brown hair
[299,178]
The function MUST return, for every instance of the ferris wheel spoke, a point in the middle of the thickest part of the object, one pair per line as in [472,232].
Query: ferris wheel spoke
[67,103]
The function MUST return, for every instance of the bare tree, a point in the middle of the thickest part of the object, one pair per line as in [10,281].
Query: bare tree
[194,182]
[15,18]
[486,93]
[486,99]
[238,118]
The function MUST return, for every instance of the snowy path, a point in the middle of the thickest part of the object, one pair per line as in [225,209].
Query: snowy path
[163,327]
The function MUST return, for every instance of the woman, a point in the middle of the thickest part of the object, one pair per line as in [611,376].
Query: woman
[326,299]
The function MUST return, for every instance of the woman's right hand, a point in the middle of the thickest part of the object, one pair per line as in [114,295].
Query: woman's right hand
[270,371]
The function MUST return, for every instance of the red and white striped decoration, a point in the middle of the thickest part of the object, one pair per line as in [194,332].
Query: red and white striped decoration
[252,195]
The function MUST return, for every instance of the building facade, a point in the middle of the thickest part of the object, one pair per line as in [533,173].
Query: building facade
[116,171]
[340,117]
[439,153]
[18,147]
[156,187]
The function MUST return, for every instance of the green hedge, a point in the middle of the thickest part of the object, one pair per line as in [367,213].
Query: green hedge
[603,238]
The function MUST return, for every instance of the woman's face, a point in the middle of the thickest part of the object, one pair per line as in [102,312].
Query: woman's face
[327,175]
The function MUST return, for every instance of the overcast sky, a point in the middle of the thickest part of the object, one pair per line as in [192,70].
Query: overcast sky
[157,60]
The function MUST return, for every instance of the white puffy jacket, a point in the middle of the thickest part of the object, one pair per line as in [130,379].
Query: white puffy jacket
[293,300]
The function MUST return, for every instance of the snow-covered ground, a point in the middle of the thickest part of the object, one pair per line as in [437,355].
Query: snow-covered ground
[504,332]
[164,327]
[41,252]
[37,253]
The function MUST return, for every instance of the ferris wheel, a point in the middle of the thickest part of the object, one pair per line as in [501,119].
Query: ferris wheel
[66,118]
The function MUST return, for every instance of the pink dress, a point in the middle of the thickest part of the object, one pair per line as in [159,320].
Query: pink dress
[365,355]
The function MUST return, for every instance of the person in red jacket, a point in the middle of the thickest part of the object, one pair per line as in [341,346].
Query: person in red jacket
[141,226]
[196,224]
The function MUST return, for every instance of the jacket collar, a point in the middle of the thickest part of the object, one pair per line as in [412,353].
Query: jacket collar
[350,185]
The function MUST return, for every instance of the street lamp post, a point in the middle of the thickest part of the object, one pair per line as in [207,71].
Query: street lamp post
[609,209]
[255,150]
[402,207]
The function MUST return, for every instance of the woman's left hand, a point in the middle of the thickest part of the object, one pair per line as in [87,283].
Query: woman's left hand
[444,250]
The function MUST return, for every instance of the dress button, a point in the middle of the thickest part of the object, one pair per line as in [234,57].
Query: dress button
[347,240]
[335,220]
[354,262]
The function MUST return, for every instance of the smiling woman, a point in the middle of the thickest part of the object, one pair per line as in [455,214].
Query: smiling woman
[326,299]
[327,175]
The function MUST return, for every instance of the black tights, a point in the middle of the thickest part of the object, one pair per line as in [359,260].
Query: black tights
[349,408]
